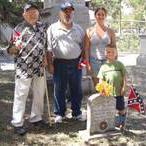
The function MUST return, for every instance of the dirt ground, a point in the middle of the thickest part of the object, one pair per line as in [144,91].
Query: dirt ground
[64,134]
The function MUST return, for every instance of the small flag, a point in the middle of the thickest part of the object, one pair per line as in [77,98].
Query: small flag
[83,63]
[135,101]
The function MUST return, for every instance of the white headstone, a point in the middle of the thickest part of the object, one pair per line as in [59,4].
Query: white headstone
[143,44]
[100,114]
[141,60]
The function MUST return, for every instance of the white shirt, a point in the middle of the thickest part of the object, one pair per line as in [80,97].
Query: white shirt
[98,45]
[65,43]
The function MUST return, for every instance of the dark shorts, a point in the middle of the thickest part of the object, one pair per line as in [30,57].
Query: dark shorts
[120,104]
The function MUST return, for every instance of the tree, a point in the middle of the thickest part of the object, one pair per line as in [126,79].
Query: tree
[11,12]
[113,6]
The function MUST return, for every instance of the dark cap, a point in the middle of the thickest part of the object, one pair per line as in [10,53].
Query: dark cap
[28,6]
[66,5]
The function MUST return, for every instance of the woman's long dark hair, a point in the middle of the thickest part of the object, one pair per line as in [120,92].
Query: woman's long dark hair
[100,8]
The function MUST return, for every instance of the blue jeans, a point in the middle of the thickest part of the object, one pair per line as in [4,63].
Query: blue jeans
[67,72]
[96,64]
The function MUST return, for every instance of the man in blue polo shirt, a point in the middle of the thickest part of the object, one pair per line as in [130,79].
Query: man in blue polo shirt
[65,43]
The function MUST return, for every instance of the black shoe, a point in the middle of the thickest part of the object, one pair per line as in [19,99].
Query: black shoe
[40,123]
[20,130]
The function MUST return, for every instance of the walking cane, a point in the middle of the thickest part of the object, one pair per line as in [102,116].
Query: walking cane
[48,103]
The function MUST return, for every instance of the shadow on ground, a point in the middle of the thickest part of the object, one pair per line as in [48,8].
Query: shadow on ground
[64,134]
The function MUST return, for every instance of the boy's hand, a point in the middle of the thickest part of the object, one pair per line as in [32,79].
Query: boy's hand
[95,80]
[103,92]
[122,92]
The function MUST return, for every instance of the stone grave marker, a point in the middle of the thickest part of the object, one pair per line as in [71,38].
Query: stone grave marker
[100,118]
[6,61]
[100,114]
[142,57]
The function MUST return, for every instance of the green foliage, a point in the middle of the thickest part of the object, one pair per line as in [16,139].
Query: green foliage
[126,29]
[128,43]
[109,5]
[11,12]
[114,8]
[139,7]
[4,4]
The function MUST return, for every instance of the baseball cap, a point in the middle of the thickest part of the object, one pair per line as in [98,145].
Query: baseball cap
[27,6]
[66,5]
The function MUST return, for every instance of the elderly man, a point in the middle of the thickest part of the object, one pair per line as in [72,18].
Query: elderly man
[28,46]
[65,43]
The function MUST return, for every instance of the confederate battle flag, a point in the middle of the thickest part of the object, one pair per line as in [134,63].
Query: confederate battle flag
[135,101]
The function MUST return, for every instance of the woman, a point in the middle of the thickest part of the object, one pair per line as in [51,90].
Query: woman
[97,38]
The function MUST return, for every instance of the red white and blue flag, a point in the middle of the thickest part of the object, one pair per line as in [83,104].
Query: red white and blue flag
[135,101]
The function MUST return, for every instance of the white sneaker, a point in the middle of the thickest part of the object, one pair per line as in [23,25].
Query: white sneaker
[80,118]
[58,119]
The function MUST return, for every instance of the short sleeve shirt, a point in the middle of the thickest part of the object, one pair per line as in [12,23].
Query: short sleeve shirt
[29,60]
[113,73]
[64,43]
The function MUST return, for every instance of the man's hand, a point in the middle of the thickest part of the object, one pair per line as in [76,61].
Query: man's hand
[12,50]
[49,57]
[51,68]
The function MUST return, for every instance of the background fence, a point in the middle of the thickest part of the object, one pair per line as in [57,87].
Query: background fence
[127,33]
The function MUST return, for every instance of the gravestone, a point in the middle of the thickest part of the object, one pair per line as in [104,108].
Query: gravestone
[137,73]
[100,118]
[6,61]
[100,114]
[141,60]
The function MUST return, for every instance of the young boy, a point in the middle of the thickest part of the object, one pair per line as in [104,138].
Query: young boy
[114,73]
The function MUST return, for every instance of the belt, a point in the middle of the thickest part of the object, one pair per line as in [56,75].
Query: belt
[69,61]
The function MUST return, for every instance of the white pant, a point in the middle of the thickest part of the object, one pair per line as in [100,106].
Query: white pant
[22,87]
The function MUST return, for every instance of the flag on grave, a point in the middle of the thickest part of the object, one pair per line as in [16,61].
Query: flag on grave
[135,101]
